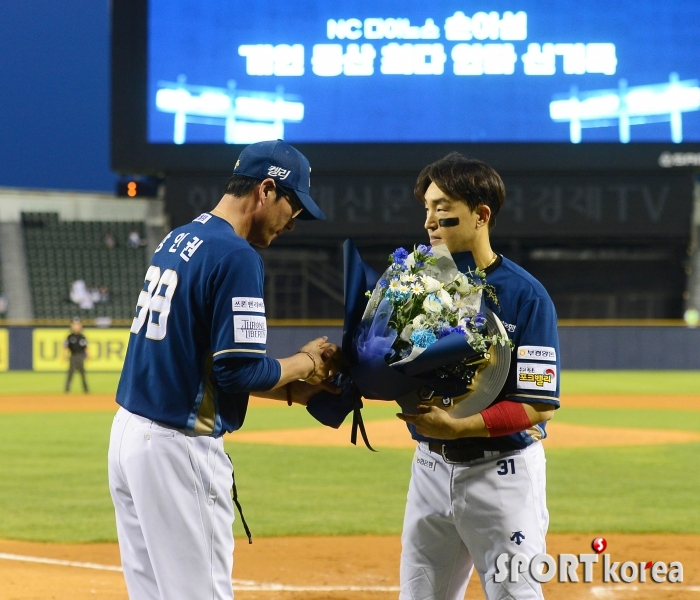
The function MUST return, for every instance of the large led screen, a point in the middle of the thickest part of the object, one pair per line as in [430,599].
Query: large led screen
[228,71]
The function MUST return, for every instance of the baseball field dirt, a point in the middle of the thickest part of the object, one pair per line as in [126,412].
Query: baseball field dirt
[330,568]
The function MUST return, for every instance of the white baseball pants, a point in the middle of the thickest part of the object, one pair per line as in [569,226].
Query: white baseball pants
[461,516]
[171,495]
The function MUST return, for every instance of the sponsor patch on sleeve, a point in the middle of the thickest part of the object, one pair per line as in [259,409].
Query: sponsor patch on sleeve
[534,376]
[537,353]
[249,329]
[242,304]
[203,218]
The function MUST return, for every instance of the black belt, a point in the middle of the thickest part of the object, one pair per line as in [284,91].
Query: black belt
[461,455]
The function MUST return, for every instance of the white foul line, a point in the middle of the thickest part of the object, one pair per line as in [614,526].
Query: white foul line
[55,561]
[239,585]
[608,591]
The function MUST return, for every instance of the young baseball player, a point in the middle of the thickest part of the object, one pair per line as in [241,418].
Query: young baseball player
[196,350]
[478,483]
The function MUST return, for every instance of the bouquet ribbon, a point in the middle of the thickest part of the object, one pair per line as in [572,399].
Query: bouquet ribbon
[332,409]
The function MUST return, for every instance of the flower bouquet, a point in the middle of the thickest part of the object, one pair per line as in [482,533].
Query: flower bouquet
[427,321]
[424,336]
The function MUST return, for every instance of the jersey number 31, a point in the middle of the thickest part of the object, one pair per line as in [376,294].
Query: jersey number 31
[155,300]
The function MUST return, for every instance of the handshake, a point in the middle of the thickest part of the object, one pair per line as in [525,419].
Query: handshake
[308,371]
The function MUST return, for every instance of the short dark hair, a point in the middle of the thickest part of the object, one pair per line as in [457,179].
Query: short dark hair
[469,180]
[240,185]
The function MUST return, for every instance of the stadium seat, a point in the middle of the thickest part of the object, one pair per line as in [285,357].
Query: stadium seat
[61,252]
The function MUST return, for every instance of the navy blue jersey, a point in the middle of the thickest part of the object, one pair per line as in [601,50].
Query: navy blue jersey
[529,318]
[202,301]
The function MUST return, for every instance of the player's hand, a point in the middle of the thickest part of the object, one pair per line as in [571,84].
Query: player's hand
[434,422]
[302,391]
[333,359]
[322,352]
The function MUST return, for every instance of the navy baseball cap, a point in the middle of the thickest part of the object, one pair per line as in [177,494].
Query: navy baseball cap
[286,165]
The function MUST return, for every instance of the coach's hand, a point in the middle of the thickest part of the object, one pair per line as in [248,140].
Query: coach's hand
[302,392]
[324,356]
[437,423]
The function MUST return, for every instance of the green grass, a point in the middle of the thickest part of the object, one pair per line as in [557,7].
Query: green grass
[573,382]
[630,382]
[54,477]
[683,420]
[54,485]
[29,382]
[320,491]
[635,489]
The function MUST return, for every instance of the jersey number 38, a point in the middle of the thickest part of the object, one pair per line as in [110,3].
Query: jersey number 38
[154,303]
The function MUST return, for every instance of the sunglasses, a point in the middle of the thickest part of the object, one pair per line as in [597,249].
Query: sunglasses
[297,207]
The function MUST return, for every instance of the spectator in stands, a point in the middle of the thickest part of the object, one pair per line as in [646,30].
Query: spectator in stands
[134,240]
[3,305]
[104,293]
[81,295]
[75,348]
[110,241]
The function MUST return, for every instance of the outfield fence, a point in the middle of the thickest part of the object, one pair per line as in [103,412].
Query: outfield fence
[623,345]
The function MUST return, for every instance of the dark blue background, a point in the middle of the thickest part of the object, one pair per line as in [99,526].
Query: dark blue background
[200,40]
[54,94]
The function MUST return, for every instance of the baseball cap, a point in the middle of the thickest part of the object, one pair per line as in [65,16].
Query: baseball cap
[286,165]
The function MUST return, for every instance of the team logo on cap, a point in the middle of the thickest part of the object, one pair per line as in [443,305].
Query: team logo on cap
[278,172]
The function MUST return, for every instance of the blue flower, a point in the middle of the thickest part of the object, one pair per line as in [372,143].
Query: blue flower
[399,256]
[383,283]
[425,250]
[396,296]
[444,332]
[448,330]
[420,263]
[422,338]
[479,320]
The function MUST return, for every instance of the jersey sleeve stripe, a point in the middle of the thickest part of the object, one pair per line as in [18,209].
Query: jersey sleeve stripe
[245,350]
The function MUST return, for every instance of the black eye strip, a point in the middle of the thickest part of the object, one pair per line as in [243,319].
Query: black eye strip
[451,222]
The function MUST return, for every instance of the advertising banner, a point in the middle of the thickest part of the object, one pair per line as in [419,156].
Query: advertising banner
[106,349]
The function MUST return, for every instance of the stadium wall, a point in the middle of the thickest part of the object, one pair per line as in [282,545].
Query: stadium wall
[605,347]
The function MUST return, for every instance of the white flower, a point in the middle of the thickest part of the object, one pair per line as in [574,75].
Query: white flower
[394,284]
[406,333]
[461,283]
[445,298]
[406,277]
[418,322]
[432,304]
[430,284]
[460,301]
[417,287]
[404,288]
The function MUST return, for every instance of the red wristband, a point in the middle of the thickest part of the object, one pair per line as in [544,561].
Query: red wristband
[288,387]
[506,417]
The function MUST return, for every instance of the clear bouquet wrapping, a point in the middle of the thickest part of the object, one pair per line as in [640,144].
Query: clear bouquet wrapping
[424,335]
